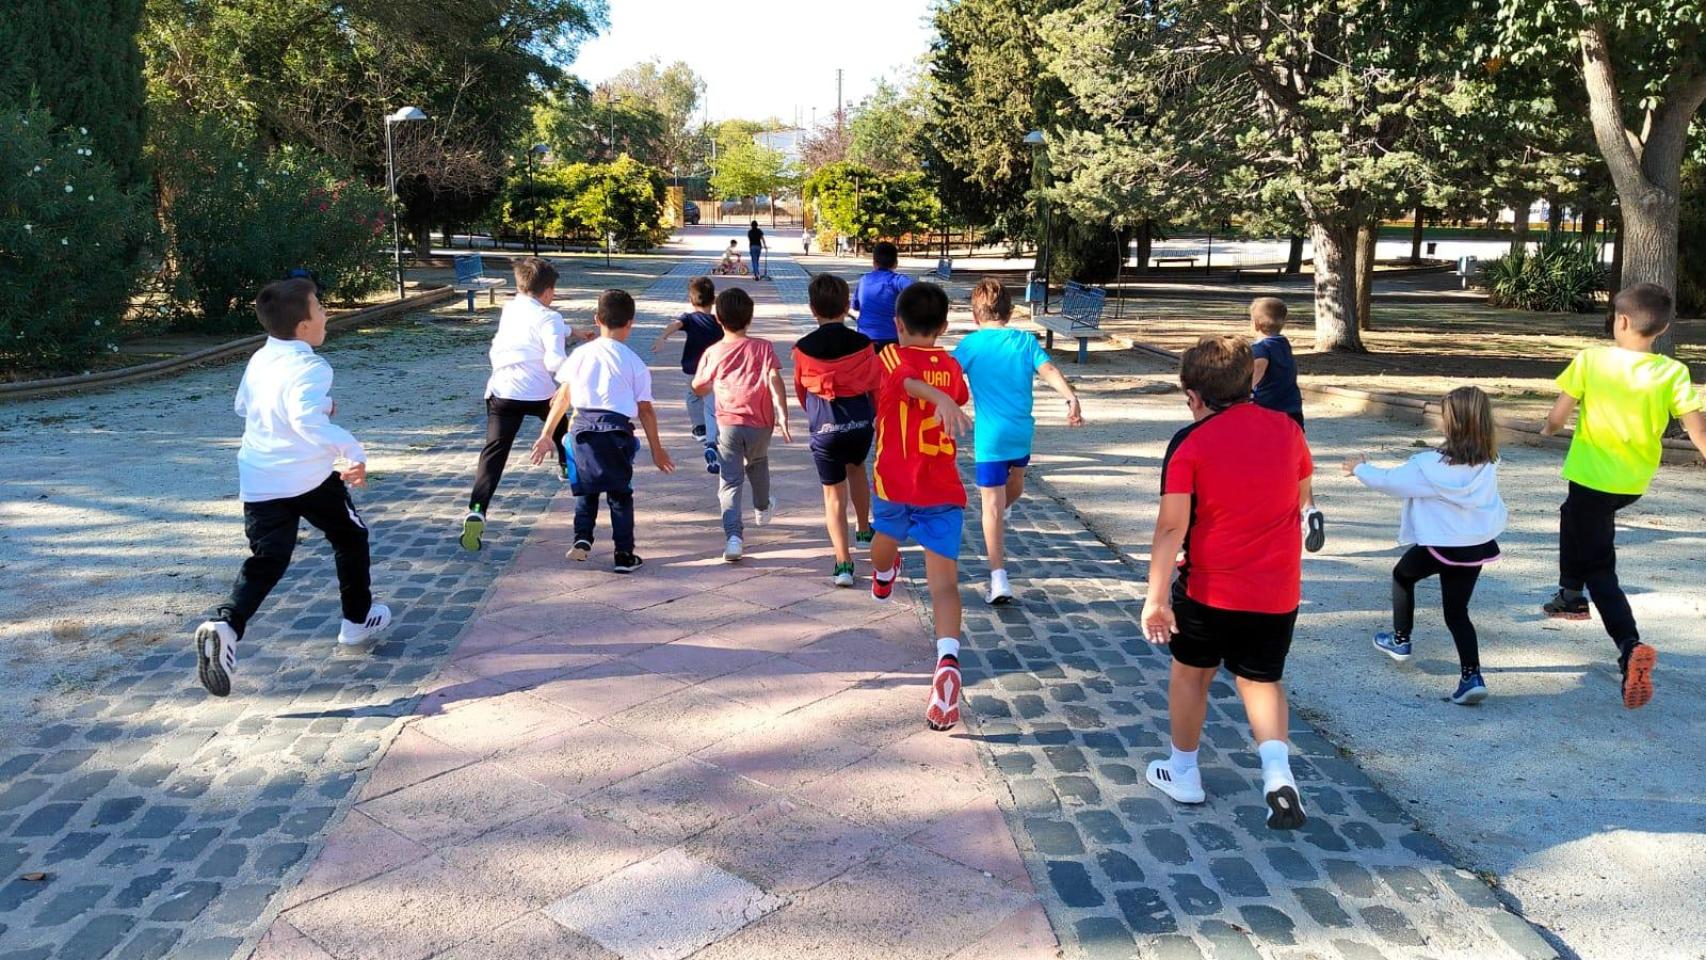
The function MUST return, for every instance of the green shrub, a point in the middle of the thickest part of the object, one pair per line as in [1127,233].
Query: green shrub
[238,217]
[855,201]
[66,230]
[1691,270]
[624,197]
[1562,275]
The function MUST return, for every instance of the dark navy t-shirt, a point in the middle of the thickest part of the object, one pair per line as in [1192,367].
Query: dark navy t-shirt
[1278,389]
[702,330]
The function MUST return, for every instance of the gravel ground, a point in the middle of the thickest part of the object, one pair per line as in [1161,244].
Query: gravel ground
[1589,815]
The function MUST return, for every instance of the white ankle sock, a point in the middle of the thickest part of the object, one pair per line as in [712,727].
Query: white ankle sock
[885,576]
[1182,761]
[947,647]
[1276,762]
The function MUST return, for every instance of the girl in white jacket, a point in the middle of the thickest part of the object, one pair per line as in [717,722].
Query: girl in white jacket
[1451,518]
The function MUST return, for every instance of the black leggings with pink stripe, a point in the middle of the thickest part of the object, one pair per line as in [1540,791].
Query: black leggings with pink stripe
[1456,586]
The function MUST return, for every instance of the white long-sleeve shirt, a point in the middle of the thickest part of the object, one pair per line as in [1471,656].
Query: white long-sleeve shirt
[526,351]
[1445,504]
[289,439]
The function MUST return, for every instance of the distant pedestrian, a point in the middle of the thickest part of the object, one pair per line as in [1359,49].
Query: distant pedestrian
[755,240]
[1450,521]
[874,298]
[806,238]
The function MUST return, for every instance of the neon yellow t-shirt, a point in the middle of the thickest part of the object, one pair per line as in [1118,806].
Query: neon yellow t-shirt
[1626,398]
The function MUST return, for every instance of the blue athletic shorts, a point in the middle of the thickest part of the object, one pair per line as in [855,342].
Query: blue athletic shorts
[993,473]
[936,529]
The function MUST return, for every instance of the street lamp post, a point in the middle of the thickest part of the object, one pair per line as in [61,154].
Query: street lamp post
[1035,141]
[538,149]
[403,115]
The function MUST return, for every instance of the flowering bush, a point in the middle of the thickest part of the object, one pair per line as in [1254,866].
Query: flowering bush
[65,233]
[238,217]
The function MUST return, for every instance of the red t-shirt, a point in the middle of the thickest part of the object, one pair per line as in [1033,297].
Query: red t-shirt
[739,371]
[1241,468]
[915,456]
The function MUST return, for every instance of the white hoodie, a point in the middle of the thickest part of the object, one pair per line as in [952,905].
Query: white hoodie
[1445,505]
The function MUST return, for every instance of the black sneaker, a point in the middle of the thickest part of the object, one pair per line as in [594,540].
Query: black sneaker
[627,562]
[1561,607]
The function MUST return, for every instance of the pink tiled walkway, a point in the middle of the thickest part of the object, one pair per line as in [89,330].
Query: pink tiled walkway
[703,760]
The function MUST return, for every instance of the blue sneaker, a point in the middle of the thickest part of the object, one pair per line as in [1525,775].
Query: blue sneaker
[712,465]
[1471,689]
[1393,647]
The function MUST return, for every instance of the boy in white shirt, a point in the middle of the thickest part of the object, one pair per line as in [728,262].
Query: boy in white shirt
[286,474]
[609,387]
[526,351]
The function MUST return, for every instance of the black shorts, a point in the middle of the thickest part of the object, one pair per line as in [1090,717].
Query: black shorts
[1251,645]
[833,453]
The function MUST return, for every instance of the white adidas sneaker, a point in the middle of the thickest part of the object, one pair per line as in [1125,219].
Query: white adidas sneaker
[1184,789]
[360,634]
[216,656]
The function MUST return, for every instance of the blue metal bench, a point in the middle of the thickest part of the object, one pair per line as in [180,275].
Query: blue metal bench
[471,279]
[1080,317]
[944,269]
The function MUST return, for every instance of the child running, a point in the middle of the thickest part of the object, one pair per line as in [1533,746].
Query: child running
[526,352]
[875,295]
[835,374]
[287,473]
[1000,363]
[1231,485]
[919,493]
[1273,382]
[1451,518]
[746,378]
[702,331]
[1628,395]
[609,387]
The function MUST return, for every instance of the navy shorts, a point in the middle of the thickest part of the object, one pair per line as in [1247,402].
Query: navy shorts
[833,453]
[993,473]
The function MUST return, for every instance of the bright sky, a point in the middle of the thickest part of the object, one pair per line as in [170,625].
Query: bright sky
[764,58]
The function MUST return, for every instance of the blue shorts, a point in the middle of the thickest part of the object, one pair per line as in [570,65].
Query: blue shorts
[936,529]
[993,473]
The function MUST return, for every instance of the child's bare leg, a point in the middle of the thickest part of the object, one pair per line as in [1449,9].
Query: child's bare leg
[1309,492]
[885,553]
[859,491]
[1187,704]
[1015,484]
[835,518]
[943,575]
[1264,704]
[994,527]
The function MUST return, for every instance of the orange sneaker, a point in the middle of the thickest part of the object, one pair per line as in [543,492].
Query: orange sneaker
[944,710]
[1638,676]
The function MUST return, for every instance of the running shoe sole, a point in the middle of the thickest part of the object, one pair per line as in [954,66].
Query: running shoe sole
[209,654]
[1285,810]
[579,551]
[629,567]
[473,529]
[1317,537]
[943,713]
[1567,614]
[1638,678]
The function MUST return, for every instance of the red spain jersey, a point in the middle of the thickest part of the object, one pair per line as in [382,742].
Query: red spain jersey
[915,456]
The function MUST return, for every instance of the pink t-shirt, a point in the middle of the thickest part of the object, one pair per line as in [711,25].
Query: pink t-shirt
[739,372]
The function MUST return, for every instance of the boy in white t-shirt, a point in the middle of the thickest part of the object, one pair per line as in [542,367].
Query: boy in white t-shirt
[526,351]
[609,387]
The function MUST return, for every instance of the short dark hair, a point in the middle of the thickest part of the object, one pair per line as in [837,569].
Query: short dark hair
[1648,307]
[283,305]
[1218,369]
[1268,314]
[615,308]
[991,301]
[885,255]
[534,275]
[701,292]
[922,308]
[828,295]
[734,309]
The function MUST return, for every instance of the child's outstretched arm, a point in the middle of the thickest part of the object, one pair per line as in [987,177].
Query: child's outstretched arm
[779,396]
[1055,379]
[953,419]
[545,446]
[1171,523]
[1559,417]
[668,331]
[1258,370]
[1694,424]
[649,423]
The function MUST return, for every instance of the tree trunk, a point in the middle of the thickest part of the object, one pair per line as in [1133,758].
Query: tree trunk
[1335,242]
[1368,235]
[1615,279]
[1519,230]
[1648,241]
[1145,247]
[1590,219]
[1416,228]
[1294,256]
[1554,215]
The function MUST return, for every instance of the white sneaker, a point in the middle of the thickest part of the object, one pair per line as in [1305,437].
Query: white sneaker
[358,634]
[1000,591]
[1007,514]
[761,518]
[216,656]
[732,549]
[1184,789]
[1285,807]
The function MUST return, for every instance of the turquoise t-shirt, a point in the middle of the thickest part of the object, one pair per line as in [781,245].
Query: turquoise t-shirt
[1000,363]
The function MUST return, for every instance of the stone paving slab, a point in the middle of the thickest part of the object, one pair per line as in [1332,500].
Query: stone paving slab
[702,759]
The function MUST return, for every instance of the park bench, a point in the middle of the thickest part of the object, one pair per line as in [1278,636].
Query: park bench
[1080,317]
[944,269]
[1187,256]
[471,279]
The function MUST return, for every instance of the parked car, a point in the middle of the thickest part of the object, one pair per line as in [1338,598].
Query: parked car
[691,212]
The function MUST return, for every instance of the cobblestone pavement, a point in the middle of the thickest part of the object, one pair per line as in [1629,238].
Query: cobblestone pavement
[707,759]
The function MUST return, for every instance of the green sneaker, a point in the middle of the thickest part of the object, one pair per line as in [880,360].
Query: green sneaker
[843,574]
[473,526]
[864,537]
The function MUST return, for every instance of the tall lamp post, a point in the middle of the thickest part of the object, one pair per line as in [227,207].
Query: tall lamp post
[403,115]
[1035,141]
[537,150]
